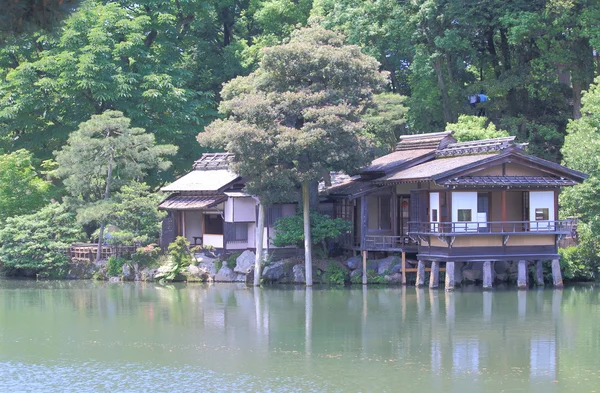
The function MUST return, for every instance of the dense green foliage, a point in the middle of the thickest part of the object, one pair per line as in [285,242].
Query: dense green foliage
[581,151]
[335,274]
[473,128]
[106,155]
[163,63]
[114,266]
[133,210]
[289,231]
[295,117]
[179,258]
[38,241]
[22,189]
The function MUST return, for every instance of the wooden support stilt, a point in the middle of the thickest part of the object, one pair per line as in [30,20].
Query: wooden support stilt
[487,275]
[403,268]
[420,274]
[450,269]
[522,274]
[364,263]
[539,274]
[434,275]
[556,274]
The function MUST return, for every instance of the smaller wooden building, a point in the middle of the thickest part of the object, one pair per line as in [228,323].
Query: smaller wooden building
[448,202]
[209,207]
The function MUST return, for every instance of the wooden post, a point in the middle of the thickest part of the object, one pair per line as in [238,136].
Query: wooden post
[522,275]
[420,274]
[487,275]
[556,274]
[403,268]
[539,274]
[364,272]
[434,276]
[363,222]
[449,284]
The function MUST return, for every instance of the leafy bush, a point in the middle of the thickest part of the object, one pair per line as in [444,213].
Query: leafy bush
[147,255]
[179,258]
[133,210]
[581,262]
[289,231]
[39,241]
[372,278]
[114,267]
[335,274]
[232,259]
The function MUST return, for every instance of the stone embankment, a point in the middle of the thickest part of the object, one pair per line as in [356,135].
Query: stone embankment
[287,271]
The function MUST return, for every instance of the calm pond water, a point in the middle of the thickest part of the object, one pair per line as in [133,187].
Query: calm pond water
[76,336]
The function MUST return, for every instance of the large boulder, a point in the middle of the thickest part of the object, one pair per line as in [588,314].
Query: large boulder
[355,273]
[128,272]
[81,270]
[224,275]
[201,257]
[384,266]
[274,272]
[354,262]
[501,267]
[473,272]
[394,278]
[245,262]
[298,273]
[194,273]
[147,274]
[210,267]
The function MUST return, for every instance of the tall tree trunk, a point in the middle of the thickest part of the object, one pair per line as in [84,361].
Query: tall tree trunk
[505,48]
[102,224]
[492,49]
[260,231]
[578,87]
[307,237]
[438,67]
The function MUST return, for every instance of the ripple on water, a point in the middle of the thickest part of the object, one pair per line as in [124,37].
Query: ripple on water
[103,377]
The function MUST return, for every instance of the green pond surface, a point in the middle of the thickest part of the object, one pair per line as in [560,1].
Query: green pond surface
[80,336]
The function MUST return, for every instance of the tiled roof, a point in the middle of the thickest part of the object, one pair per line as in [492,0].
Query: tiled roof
[185,202]
[397,158]
[201,180]
[350,188]
[431,168]
[508,181]
[423,141]
[210,161]
[477,147]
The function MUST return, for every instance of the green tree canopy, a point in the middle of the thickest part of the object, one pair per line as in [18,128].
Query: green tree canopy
[22,190]
[474,128]
[104,155]
[297,117]
[38,241]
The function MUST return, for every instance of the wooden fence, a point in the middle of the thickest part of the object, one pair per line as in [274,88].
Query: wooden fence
[87,251]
